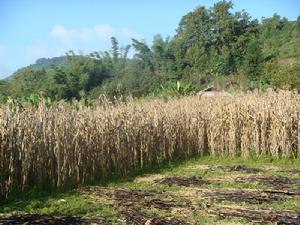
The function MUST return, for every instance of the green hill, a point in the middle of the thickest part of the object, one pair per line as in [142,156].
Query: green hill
[45,63]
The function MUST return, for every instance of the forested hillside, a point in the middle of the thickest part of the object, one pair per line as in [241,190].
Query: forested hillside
[211,46]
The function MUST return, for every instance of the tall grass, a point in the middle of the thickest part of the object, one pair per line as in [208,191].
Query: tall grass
[64,145]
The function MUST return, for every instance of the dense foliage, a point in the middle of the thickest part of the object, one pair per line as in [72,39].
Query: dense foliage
[210,46]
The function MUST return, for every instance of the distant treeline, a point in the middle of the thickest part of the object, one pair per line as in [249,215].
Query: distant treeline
[211,46]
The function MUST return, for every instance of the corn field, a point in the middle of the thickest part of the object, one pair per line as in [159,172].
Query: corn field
[63,145]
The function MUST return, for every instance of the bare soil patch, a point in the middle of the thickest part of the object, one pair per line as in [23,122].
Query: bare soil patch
[252,197]
[297,172]
[183,181]
[135,194]
[278,217]
[148,199]
[134,217]
[148,178]
[238,168]
[243,169]
[276,182]
[133,197]
[118,193]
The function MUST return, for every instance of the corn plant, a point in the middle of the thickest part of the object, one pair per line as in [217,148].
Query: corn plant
[61,145]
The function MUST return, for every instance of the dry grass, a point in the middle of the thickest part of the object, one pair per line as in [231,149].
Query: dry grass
[64,145]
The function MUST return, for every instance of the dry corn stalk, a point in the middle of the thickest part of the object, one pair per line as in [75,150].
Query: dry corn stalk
[63,145]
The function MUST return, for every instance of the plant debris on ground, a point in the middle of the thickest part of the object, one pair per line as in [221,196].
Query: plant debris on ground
[184,194]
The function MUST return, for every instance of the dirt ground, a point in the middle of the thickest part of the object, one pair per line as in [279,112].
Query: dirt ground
[231,195]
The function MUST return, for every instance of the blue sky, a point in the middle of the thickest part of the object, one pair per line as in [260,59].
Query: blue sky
[31,29]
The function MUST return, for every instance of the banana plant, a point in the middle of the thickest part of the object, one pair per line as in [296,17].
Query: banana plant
[34,100]
[178,90]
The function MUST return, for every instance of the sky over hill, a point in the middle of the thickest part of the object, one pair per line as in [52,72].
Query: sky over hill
[33,29]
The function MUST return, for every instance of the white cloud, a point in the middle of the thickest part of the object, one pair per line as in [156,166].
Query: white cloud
[129,33]
[60,32]
[104,31]
[71,35]
[87,34]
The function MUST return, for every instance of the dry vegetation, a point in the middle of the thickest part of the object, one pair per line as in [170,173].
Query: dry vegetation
[64,145]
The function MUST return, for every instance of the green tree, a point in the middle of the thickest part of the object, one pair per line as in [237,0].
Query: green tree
[115,49]
[143,53]
[82,75]
[26,81]
[253,60]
